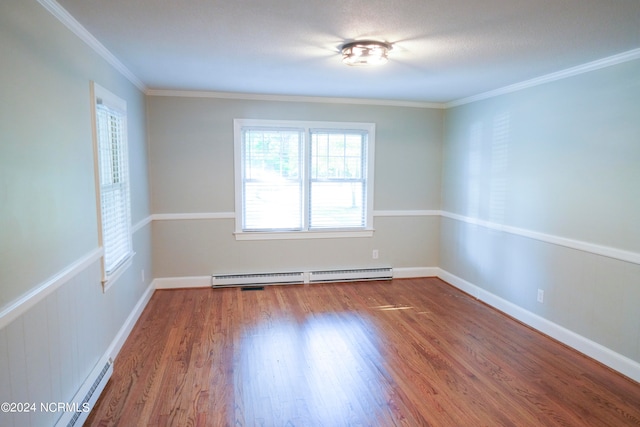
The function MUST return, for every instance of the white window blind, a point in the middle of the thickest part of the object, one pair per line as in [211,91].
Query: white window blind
[338,180]
[272,180]
[113,177]
[303,176]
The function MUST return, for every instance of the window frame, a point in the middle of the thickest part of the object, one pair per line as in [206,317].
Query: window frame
[306,128]
[118,108]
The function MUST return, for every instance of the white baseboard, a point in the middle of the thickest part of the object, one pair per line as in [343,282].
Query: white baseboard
[604,355]
[409,272]
[127,327]
[182,282]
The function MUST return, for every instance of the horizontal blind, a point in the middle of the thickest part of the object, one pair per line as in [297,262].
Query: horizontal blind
[114,187]
[272,181]
[337,183]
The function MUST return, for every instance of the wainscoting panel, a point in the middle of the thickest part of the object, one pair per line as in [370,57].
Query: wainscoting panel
[52,339]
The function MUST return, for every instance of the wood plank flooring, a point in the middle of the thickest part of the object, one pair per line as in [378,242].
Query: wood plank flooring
[410,352]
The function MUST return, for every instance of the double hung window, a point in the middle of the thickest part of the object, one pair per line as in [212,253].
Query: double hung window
[112,181]
[303,179]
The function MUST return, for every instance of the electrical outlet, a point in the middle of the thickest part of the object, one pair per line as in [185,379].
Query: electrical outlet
[142,275]
[374,254]
[540,296]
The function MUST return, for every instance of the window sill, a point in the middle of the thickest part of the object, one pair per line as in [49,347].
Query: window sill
[295,235]
[113,277]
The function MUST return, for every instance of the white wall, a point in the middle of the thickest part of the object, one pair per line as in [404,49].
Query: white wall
[540,190]
[55,322]
[191,158]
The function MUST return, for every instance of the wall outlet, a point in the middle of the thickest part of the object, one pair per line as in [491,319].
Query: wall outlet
[374,254]
[540,296]
[142,275]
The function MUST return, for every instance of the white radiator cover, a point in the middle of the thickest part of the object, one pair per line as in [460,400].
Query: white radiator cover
[224,280]
[78,409]
[356,274]
[319,276]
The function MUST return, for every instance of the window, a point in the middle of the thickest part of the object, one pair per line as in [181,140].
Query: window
[112,181]
[303,179]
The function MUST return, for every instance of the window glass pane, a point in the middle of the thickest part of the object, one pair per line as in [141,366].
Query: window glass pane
[353,168]
[337,205]
[336,145]
[336,167]
[270,154]
[354,146]
[273,205]
[337,155]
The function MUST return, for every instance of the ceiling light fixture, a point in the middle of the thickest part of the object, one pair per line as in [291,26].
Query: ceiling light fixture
[365,52]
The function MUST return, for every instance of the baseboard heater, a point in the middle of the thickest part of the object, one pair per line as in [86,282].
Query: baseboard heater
[227,280]
[356,274]
[319,276]
[77,411]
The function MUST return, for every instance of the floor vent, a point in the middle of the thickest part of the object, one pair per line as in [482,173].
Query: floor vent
[351,275]
[77,411]
[225,280]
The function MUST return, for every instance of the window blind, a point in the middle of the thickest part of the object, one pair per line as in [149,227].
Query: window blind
[272,179]
[114,186]
[337,183]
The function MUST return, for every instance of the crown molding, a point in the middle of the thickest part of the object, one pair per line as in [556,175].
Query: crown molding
[291,98]
[72,24]
[558,75]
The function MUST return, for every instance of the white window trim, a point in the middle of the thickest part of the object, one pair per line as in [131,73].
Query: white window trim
[368,231]
[293,235]
[97,92]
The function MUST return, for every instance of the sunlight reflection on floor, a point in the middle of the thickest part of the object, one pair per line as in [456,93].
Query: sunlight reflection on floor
[314,372]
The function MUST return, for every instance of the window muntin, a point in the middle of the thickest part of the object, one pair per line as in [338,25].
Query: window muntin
[303,177]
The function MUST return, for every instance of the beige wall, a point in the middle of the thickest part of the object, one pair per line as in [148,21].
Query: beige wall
[191,157]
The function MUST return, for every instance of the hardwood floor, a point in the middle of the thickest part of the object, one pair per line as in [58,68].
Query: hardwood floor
[411,352]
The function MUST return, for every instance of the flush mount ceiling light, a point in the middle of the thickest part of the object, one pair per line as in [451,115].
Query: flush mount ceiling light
[365,52]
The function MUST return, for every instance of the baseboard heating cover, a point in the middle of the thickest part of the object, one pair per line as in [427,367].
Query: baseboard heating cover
[385,273]
[87,396]
[287,278]
[226,280]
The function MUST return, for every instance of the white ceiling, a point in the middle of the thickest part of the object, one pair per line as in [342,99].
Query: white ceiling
[444,50]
